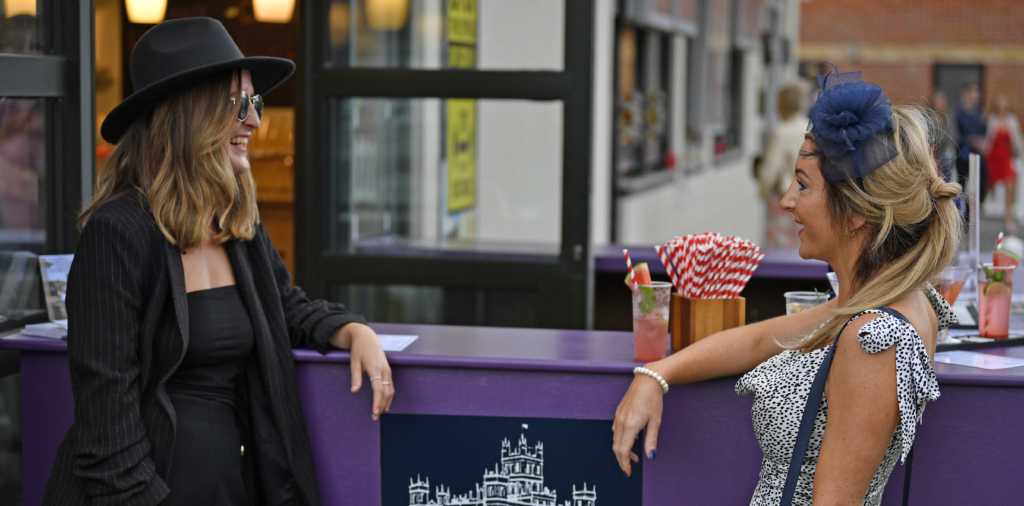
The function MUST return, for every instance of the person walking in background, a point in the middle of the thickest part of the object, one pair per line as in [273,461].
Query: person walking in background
[1003,144]
[970,122]
[775,172]
[945,146]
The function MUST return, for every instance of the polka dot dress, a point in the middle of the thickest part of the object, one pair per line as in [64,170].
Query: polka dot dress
[782,384]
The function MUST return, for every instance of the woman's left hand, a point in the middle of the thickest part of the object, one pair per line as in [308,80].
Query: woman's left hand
[367,356]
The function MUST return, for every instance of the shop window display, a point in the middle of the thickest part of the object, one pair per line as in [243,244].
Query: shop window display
[642,105]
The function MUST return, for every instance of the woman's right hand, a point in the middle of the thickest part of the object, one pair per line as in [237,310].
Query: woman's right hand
[640,409]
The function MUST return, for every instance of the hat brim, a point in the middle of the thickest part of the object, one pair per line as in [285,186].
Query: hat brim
[267,72]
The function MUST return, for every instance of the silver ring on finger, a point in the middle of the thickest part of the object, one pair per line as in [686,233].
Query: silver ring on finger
[377,378]
[386,383]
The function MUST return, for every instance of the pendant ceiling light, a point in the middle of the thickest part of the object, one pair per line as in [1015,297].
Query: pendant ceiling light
[273,11]
[146,12]
[15,7]
[387,14]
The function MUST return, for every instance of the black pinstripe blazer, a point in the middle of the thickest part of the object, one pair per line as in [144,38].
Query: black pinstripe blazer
[128,331]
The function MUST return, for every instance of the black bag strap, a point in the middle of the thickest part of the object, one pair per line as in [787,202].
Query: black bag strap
[811,411]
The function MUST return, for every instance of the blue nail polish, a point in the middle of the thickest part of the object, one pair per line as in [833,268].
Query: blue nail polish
[626,475]
[651,455]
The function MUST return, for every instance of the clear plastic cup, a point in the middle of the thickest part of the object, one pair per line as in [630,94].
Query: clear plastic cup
[802,301]
[650,327]
[995,289]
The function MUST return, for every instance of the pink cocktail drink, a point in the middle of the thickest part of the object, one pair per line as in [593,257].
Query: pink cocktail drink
[994,316]
[650,321]
[950,290]
[995,289]
[650,339]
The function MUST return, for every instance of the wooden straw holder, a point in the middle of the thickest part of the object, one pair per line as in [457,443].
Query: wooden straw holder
[694,319]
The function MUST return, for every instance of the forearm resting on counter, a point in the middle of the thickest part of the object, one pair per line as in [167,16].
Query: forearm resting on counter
[737,351]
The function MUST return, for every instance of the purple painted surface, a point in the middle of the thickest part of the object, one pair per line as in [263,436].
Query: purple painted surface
[47,410]
[968,448]
[707,453]
[541,349]
[777,263]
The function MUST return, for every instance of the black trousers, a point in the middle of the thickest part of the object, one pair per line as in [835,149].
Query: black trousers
[207,465]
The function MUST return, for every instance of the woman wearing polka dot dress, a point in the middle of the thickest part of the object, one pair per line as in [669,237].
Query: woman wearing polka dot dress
[866,193]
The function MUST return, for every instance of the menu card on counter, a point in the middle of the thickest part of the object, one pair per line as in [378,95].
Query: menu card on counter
[395,342]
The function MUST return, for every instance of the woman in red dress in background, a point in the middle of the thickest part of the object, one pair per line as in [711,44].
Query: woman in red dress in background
[1003,144]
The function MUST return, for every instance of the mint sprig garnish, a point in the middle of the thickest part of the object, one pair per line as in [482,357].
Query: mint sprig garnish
[647,299]
[994,276]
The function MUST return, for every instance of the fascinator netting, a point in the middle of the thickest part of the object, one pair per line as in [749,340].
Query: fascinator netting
[852,126]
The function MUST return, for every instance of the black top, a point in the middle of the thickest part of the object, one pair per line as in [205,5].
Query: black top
[220,340]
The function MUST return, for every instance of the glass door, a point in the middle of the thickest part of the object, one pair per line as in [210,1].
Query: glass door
[46,153]
[444,154]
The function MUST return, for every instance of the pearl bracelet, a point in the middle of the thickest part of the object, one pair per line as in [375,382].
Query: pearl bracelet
[656,376]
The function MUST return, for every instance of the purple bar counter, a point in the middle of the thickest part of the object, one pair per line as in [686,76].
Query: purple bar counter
[970,449]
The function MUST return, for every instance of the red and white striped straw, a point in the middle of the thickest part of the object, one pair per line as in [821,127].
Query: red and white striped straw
[999,242]
[629,265]
[668,267]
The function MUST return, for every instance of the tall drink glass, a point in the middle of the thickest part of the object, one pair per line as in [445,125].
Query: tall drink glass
[995,287]
[650,321]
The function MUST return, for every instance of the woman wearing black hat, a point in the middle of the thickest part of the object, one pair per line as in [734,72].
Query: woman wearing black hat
[181,313]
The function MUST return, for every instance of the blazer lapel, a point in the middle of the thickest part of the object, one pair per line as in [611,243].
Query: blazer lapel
[177,275]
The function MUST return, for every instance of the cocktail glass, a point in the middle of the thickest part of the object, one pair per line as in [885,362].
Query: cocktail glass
[995,288]
[802,301]
[650,321]
[951,281]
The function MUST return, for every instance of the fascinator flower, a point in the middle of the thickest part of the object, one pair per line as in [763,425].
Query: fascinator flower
[852,126]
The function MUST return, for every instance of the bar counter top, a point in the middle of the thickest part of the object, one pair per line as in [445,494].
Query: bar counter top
[543,350]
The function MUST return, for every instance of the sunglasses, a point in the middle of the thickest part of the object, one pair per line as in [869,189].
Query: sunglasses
[243,109]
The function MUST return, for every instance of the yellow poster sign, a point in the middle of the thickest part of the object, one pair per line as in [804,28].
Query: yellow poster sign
[462,22]
[461,154]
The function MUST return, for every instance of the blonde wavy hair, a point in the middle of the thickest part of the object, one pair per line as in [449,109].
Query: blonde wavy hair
[175,158]
[912,223]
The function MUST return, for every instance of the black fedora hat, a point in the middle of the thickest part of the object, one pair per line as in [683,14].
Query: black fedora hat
[181,51]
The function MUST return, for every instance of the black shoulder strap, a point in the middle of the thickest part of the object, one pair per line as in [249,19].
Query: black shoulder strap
[811,411]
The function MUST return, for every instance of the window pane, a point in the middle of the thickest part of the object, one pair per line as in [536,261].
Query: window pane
[642,118]
[440,176]
[438,305]
[442,34]
[22,206]
[19,27]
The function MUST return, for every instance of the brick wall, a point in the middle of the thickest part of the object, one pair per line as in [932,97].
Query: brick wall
[913,21]
[897,42]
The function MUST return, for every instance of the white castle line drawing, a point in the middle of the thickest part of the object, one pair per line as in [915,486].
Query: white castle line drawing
[518,480]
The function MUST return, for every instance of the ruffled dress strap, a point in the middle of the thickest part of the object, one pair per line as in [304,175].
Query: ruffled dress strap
[916,384]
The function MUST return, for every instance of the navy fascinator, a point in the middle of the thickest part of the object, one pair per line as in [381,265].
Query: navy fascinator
[852,126]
